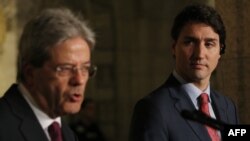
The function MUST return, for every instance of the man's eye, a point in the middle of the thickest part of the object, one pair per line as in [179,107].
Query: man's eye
[85,68]
[64,68]
[188,42]
[210,44]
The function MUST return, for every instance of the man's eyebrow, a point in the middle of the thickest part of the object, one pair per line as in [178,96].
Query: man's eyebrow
[190,38]
[211,39]
[87,63]
[196,39]
[70,63]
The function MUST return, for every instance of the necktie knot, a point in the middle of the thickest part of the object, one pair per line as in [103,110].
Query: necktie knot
[55,132]
[203,103]
[203,99]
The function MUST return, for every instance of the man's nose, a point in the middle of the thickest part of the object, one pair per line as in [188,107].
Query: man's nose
[199,50]
[78,78]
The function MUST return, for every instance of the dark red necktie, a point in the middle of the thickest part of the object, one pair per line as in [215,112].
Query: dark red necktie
[203,107]
[55,132]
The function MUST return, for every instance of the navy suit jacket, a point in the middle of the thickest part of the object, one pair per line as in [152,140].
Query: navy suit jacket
[157,117]
[19,123]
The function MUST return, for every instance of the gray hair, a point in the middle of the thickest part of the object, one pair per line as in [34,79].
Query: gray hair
[42,32]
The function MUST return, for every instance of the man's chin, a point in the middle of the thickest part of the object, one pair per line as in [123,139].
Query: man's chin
[199,75]
[72,108]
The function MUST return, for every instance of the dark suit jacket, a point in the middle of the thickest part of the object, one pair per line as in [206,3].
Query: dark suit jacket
[157,116]
[19,123]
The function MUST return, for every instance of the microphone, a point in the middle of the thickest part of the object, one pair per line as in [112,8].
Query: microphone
[202,118]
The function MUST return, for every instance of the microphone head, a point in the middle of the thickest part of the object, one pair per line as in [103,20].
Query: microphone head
[203,119]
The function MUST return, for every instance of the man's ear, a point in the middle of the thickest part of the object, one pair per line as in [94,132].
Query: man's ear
[173,48]
[222,49]
[28,71]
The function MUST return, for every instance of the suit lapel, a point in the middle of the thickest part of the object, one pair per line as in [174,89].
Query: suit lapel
[33,131]
[219,107]
[183,102]
[29,125]
[67,133]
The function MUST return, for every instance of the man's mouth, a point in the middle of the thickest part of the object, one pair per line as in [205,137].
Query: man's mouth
[75,97]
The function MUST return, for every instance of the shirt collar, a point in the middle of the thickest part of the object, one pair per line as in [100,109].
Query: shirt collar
[192,91]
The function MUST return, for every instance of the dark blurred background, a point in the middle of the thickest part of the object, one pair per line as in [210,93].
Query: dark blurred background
[133,51]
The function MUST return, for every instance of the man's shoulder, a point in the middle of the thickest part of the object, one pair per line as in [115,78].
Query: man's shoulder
[9,96]
[158,96]
[11,103]
[11,90]
[4,102]
[163,90]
